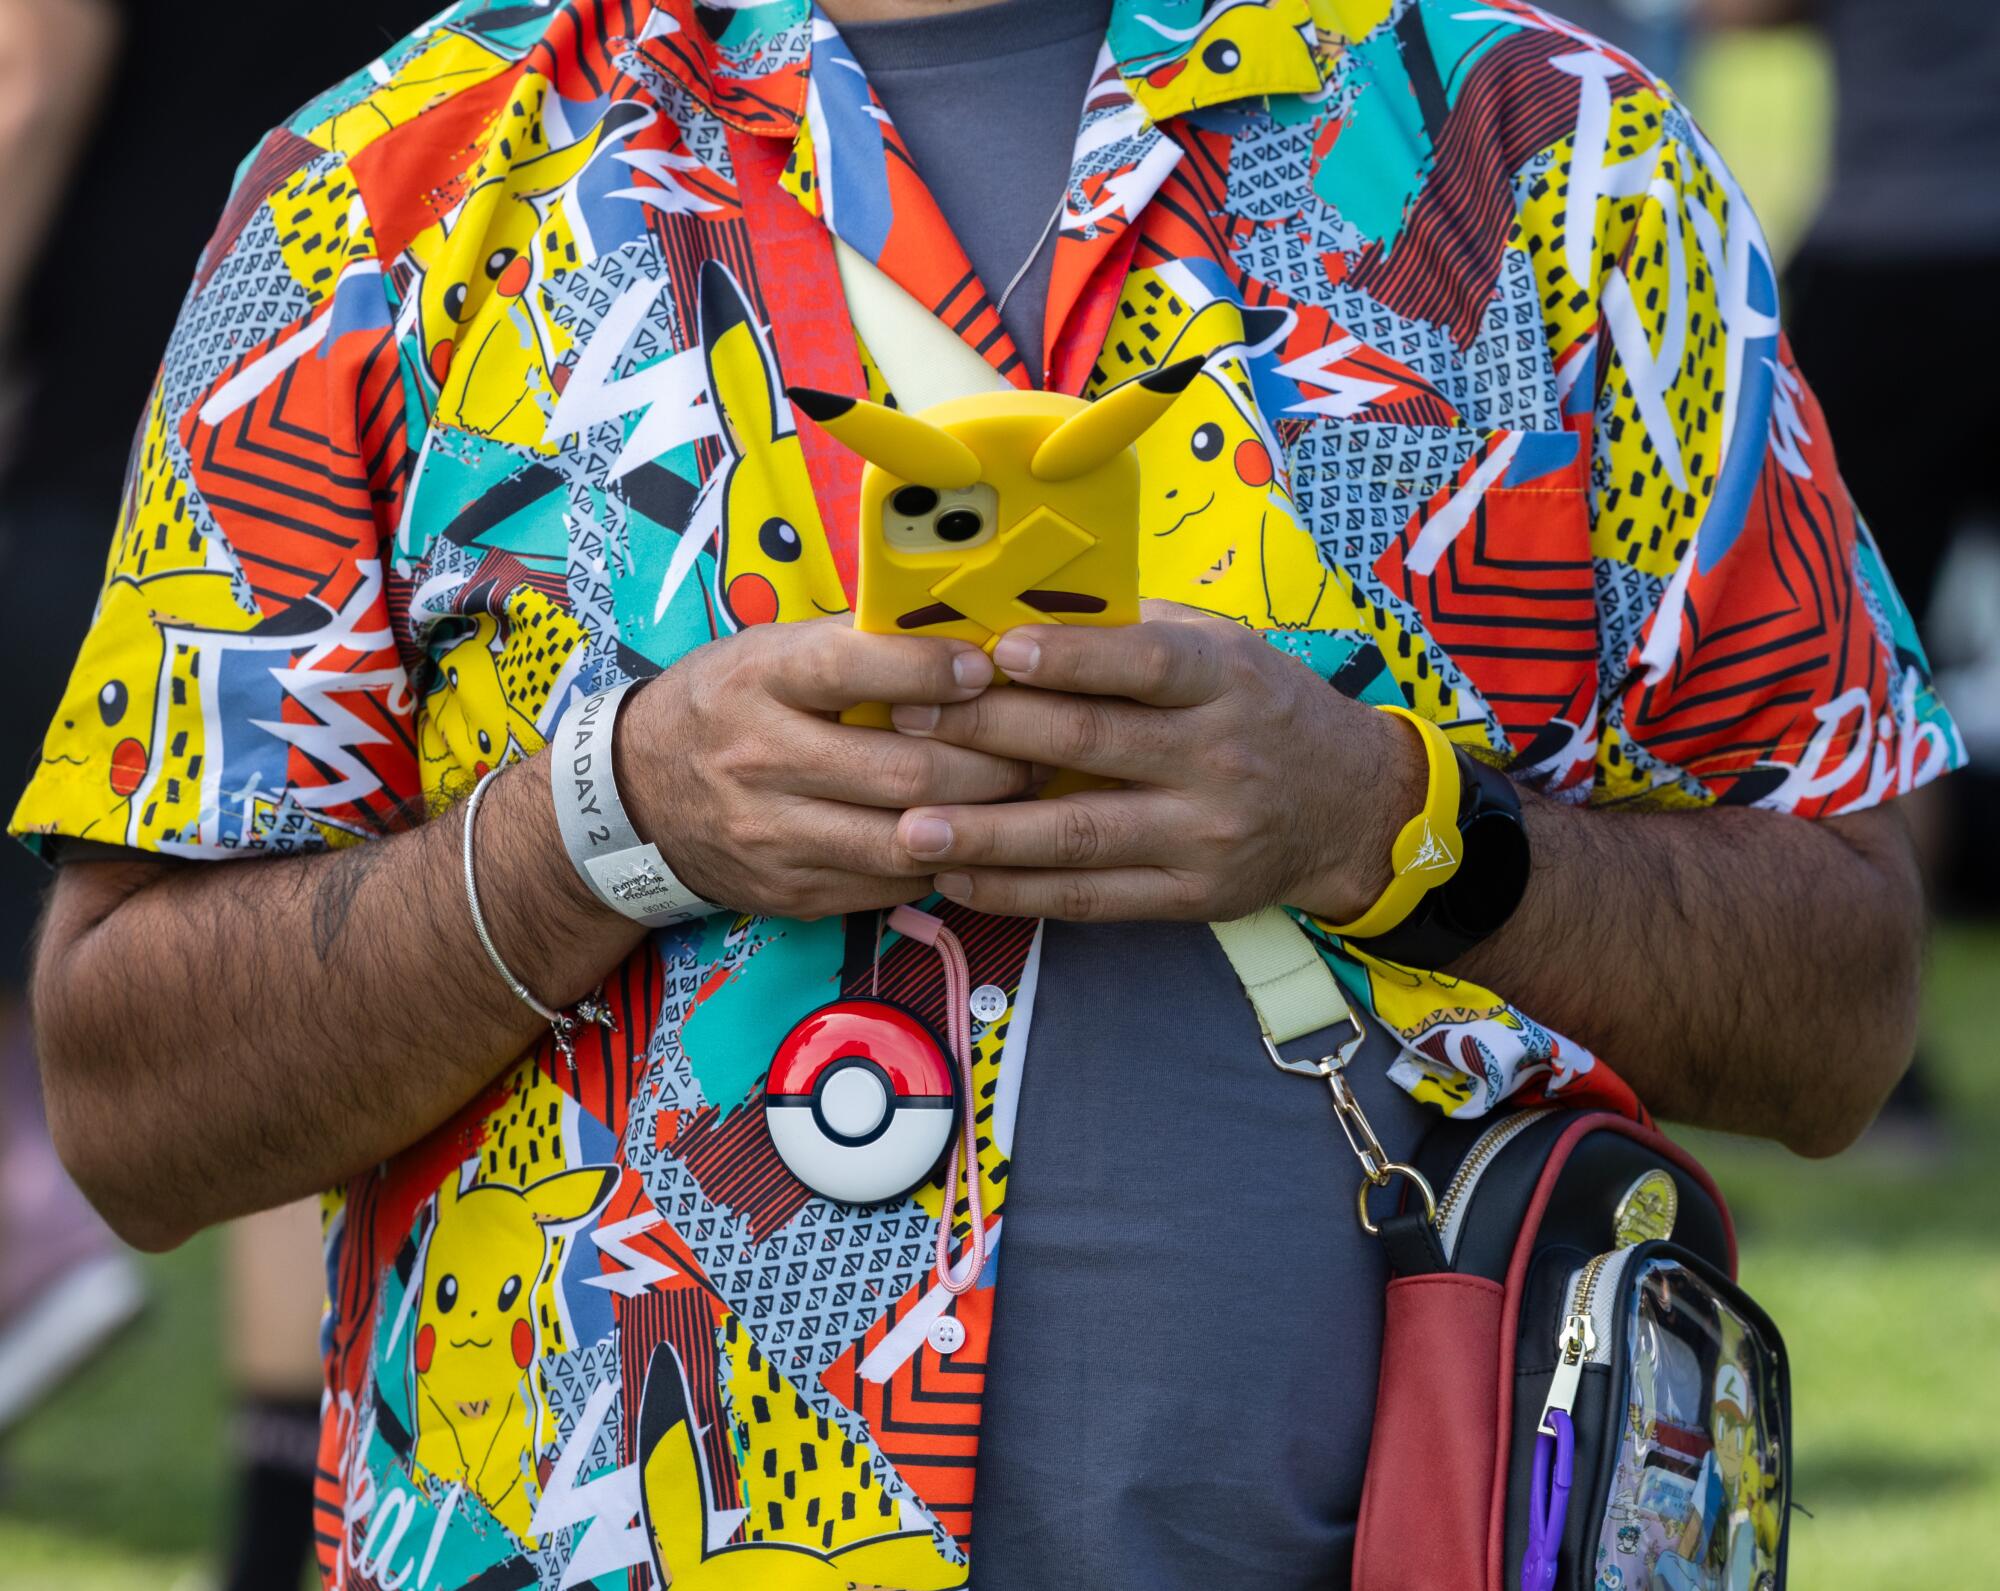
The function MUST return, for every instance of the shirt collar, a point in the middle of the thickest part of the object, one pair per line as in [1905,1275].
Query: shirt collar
[750,64]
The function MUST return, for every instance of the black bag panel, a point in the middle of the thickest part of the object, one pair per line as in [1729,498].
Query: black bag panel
[1600,1170]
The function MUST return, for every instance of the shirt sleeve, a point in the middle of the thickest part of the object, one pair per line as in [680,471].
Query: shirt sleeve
[1755,650]
[240,689]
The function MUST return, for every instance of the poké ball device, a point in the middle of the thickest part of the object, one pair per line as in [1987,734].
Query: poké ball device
[996,510]
[861,1101]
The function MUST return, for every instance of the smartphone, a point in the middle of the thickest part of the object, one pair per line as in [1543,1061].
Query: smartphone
[997,510]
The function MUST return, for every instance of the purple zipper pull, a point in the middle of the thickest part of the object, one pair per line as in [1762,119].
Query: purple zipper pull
[1548,1501]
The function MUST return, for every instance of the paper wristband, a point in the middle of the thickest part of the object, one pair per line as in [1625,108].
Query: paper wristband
[626,873]
[1427,851]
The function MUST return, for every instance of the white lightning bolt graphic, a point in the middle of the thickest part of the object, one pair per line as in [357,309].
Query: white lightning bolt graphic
[641,1270]
[1346,396]
[605,1506]
[670,392]
[332,740]
[670,198]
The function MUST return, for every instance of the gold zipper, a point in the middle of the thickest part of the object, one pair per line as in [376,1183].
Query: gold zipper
[1576,1341]
[1587,1283]
[1489,1144]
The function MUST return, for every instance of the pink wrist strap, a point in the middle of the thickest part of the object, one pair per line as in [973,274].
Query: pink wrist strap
[928,930]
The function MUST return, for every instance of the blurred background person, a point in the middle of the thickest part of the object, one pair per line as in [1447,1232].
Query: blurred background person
[65,1284]
[1893,319]
[94,252]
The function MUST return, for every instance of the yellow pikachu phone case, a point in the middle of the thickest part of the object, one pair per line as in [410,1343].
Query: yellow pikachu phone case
[997,510]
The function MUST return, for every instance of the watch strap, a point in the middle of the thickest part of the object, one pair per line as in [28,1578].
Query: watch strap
[625,872]
[1484,892]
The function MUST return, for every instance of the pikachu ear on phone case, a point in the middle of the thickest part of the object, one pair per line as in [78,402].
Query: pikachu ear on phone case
[1091,438]
[907,447]
[916,450]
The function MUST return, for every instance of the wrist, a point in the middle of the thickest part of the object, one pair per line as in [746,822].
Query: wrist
[621,865]
[1353,844]
[649,762]
[543,917]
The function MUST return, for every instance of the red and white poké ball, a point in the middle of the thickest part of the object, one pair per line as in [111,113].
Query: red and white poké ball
[861,1101]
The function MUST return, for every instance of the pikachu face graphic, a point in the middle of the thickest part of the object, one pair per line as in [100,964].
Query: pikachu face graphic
[476,1339]
[1218,530]
[774,564]
[103,739]
[1000,509]
[1272,36]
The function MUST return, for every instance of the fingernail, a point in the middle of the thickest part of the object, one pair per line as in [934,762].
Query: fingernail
[972,670]
[1016,654]
[954,886]
[914,720]
[927,836]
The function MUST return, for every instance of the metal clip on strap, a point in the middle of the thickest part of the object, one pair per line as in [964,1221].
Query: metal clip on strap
[1294,993]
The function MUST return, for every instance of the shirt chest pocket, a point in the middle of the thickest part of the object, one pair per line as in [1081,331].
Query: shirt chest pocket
[1482,540]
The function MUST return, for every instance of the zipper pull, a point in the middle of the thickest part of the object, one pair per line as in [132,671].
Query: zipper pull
[1575,1342]
[1548,1502]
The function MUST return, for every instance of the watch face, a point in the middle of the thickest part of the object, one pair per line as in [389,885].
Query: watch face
[1493,876]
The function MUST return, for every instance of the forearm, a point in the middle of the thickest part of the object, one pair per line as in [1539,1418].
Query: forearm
[54,55]
[224,1037]
[1740,968]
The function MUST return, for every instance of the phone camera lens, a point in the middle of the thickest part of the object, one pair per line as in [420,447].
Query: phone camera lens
[960,524]
[913,502]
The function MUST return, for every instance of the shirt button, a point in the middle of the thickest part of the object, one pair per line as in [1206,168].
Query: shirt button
[947,1334]
[989,1003]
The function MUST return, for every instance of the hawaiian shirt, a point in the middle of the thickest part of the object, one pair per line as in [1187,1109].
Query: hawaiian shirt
[1496,420]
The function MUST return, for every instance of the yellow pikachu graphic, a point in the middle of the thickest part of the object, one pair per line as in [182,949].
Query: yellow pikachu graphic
[1218,530]
[682,1518]
[999,509]
[104,743]
[1228,33]
[476,1342]
[775,566]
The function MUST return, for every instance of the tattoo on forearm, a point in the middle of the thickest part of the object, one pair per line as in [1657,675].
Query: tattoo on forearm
[333,901]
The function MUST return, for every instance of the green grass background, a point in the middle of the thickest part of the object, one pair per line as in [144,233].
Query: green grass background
[1882,1269]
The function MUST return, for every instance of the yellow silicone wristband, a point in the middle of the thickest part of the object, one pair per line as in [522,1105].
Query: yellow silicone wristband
[1426,852]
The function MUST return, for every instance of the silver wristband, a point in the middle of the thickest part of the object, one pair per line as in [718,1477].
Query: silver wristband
[628,874]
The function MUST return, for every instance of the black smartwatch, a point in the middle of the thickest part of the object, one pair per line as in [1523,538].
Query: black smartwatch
[1492,877]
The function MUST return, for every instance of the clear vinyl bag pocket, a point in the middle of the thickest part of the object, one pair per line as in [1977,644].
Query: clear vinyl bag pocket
[1673,1470]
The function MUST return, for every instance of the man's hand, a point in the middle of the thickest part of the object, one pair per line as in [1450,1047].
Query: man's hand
[1741,968]
[1247,780]
[733,763]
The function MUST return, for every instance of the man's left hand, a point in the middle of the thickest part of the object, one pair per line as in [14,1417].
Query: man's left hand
[1246,780]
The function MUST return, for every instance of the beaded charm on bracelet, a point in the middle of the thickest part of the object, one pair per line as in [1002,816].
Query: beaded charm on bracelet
[563,1024]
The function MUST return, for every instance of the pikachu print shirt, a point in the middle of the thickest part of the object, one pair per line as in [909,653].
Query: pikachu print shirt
[476,403]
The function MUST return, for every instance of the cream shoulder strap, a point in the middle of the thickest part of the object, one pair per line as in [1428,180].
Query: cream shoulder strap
[923,360]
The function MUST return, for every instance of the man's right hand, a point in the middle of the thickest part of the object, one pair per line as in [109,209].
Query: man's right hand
[734,764]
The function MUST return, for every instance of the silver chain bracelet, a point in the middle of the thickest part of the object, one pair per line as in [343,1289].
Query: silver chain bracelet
[562,1023]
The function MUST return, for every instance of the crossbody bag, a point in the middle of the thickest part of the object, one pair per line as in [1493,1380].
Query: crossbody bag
[1574,1392]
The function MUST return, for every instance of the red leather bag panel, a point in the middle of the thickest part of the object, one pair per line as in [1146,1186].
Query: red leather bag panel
[1425,1504]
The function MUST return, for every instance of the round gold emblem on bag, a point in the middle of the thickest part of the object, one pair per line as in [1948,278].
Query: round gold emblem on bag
[1647,1211]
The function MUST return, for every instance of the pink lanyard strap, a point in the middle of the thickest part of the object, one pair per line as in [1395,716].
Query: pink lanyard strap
[928,930]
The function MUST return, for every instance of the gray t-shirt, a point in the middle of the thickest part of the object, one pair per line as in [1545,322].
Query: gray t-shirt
[1185,1344]
[1188,1323]
[987,100]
